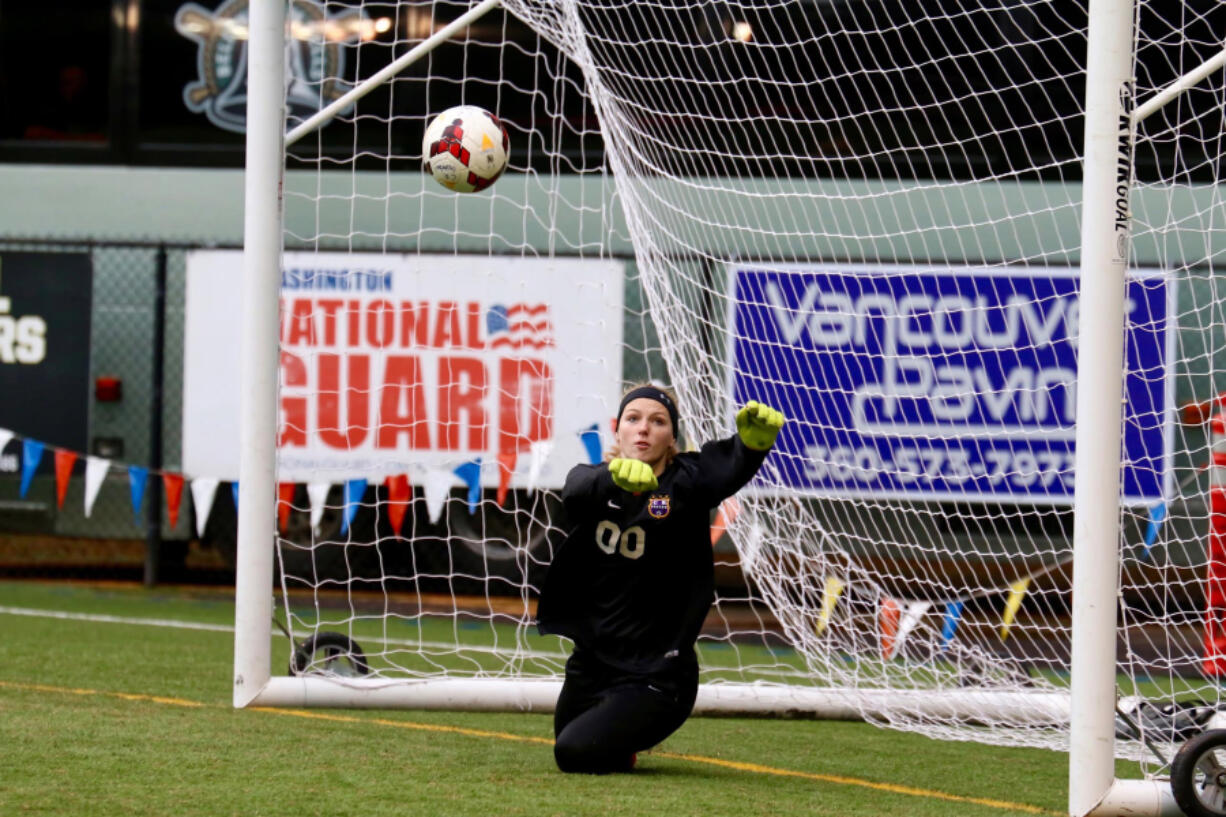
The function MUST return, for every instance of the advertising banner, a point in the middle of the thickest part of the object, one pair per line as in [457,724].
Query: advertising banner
[394,361]
[45,304]
[942,383]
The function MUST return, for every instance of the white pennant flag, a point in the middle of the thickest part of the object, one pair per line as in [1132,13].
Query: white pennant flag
[436,488]
[910,617]
[317,492]
[203,491]
[95,472]
[538,452]
[5,437]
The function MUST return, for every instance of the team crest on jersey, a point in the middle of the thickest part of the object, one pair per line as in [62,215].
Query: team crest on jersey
[658,506]
[315,58]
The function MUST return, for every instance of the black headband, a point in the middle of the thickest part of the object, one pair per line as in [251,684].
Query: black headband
[651,393]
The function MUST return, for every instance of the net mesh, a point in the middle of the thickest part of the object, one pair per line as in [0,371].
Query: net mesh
[864,214]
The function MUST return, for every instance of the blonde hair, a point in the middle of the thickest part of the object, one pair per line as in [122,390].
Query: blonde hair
[614,451]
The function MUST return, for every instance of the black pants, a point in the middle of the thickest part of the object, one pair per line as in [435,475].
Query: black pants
[604,716]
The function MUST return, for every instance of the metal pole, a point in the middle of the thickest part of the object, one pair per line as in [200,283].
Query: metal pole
[259,366]
[1105,229]
[153,496]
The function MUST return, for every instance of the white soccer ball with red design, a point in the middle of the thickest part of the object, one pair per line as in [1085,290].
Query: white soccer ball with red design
[465,149]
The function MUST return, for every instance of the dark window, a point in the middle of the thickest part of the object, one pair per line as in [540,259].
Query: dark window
[55,72]
[191,104]
[160,82]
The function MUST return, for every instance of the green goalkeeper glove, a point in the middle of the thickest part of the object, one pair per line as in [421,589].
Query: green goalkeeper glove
[758,425]
[634,476]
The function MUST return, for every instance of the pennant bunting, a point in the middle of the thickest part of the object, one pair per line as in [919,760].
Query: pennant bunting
[888,625]
[6,437]
[910,617]
[506,467]
[1016,591]
[96,469]
[591,442]
[436,488]
[31,455]
[470,473]
[285,503]
[137,479]
[173,485]
[317,496]
[64,462]
[728,511]
[538,453]
[953,614]
[830,598]
[354,489]
[203,491]
[1157,515]
[398,496]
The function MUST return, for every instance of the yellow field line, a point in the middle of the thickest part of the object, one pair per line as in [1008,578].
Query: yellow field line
[127,696]
[839,779]
[740,766]
[421,727]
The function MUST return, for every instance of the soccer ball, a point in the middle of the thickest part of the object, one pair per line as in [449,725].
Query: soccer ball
[465,149]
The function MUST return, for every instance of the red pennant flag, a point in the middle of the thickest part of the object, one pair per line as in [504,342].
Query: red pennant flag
[506,464]
[174,496]
[728,511]
[397,500]
[890,614]
[64,460]
[285,503]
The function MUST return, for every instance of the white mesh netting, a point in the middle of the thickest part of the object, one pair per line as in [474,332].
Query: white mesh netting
[866,214]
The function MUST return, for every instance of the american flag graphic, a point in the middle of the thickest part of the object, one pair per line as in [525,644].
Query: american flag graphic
[519,325]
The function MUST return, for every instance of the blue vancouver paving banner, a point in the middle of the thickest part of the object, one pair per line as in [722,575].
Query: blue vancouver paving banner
[942,382]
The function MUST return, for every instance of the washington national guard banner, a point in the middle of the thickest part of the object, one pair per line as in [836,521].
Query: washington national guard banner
[389,360]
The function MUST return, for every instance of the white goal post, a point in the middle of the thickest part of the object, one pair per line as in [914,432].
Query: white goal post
[899,235]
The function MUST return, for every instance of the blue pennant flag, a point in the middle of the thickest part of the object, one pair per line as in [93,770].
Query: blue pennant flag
[137,478]
[354,489]
[1157,515]
[591,441]
[31,455]
[470,472]
[953,612]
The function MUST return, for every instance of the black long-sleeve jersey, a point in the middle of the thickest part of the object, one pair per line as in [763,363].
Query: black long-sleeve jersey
[634,579]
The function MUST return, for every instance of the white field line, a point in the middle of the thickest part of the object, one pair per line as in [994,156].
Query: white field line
[439,646]
[105,619]
[228,628]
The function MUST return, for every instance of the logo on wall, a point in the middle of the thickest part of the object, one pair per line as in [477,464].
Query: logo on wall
[315,59]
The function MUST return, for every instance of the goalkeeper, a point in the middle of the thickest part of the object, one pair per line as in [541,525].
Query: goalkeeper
[634,580]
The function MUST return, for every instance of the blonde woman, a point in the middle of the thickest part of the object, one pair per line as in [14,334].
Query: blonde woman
[634,580]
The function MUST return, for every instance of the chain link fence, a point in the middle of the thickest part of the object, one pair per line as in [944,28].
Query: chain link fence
[130,409]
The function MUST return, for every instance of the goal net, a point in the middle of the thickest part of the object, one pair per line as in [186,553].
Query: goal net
[865,214]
